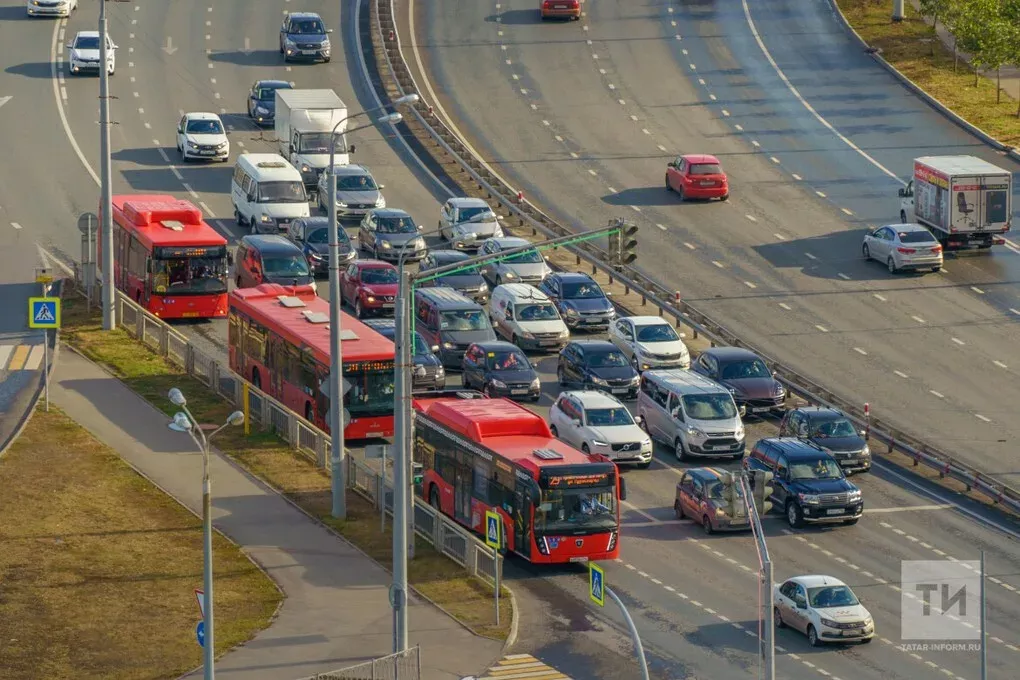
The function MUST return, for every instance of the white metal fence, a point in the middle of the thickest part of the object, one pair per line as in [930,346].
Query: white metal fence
[401,666]
[363,476]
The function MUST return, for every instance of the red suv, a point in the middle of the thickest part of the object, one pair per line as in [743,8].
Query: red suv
[697,176]
[369,286]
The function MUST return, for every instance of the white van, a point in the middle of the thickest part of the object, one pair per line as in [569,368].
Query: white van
[694,415]
[526,316]
[267,192]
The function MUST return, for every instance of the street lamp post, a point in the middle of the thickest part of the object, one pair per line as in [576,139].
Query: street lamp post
[106,183]
[185,422]
[336,391]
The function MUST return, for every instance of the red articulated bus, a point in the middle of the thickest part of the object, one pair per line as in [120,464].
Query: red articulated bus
[167,258]
[557,504]
[278,339]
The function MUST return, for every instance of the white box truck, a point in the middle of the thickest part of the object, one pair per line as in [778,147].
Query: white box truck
[304,121]
[963,200]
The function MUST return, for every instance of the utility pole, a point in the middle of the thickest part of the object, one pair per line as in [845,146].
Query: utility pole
[401,461]
[767,640]
[897,10]
[338,470]
[106,188]
[984,630]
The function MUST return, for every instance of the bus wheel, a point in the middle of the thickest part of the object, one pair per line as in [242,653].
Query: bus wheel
[308,411]
[434,498]
[256,378]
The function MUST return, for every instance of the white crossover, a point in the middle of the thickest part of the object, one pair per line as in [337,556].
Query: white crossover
[83,53]
[201,136]
[596,422]
[823,608]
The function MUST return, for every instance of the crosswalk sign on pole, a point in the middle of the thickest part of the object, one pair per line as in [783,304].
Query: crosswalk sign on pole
[596,584]
[493,529]
[44,312]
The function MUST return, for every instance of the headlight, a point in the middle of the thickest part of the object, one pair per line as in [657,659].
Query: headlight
[499,383]
[598,381]
[305,168]
[386,245]
[482,287]
[380,202]
[564,334]
[855,495]
[449,345]
[869,621]
[694,432]
[419,243]
[222,145]
[635,380]
[809,498]
[739,434]
[596,442]
[829,623]
[536,384]
[315,256]
[266,219]
[866,451]
[572,313]
[647,441]
[341,204]
[440,371]
[779,390]
[528,336]
[369,298]
[508,275]
[611,313]
[192,145]
[261,110]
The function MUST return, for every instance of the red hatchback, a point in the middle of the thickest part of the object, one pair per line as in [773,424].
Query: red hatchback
[369,286]
[562,9]
[697,175]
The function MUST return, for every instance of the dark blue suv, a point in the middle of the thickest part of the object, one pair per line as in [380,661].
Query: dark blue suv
[580,300]
[303,36]
[809,484]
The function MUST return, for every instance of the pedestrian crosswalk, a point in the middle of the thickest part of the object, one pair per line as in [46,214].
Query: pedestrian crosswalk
[21,357]
[522,667]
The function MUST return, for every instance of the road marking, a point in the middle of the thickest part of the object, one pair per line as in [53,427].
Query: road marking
[662,148]
[5,353]
[901,374]
[958,341]
[661,226]
[544,122]
[177,173]
[725,112]
[823,329]
[918,319]
[879,297]
[689,246]
[774,159]
[612,190]
[999,364]
[796,176]
[738,128]
[779,237]
[634,118]
[843,276]
[712,97]
[810,256]
[19,357]
[206,208]
[860,351]
[981,417]
[755,143]
[191,191]
[646,131]
[162,153]
[717,263]
[635,208]
[848,212]
[977,290]
[785,306]
[35,358]
[622,102]
[592,172]
[909,508]
[751,217]
[558,138]
[750,285]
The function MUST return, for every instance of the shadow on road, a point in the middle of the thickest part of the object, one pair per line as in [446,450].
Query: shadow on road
[253,58]
[34,69]
[516,17]
[641,197]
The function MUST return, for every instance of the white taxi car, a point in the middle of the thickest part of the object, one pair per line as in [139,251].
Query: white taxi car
[83,53]
[201,136]
[51,8]
[596,422]
[823,608]
[649,342]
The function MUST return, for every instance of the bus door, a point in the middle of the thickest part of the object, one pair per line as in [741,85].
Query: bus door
[522,523]
[321,399]
[121,255]
[462,484]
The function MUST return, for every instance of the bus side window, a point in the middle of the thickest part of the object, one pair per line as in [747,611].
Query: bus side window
[256,343]
[480,481]
[234,332]
[444,465]
[307,374]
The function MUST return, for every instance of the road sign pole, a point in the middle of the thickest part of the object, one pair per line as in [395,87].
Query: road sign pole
[639,650]
[497,568]
[382,493]
[984,630]
[46,369]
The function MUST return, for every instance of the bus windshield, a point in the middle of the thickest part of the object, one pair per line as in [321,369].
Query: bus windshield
[371,392]
[189,276]
[573,509]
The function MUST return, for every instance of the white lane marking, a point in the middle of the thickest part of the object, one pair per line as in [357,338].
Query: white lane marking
[635,208]
[785,306]
[779,237]
[191,191]
[206,208]
[558,138]
[755,144]
[612,190]
[878,297]
[717,263]
[977,290]
[646,131]
[750,285]
[823,329]
[34,359]
[725,112]
[901,374]
[860,351]
[918,319]
[163,155]
[177,173]
[999,364]
[819,193]
[843,276]
[738,128]
[981,417]
[622,102]
[661,226]
[796,176]
[810,256]
[751,217]
[796,93]
[15,225]
[63,93]
[689,246]
[774,159]
[958,341]
[592,172]
[662,148]
[848,212]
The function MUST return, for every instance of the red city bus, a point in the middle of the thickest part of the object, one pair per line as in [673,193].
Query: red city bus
[167,258]
[557,504]
[278,339]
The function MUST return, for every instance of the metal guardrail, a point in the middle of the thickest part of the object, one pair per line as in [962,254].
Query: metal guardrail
[363,477]
[404,665]
[397,81]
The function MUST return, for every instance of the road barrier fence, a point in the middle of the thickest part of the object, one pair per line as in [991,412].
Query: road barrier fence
[397,80]
[404,665]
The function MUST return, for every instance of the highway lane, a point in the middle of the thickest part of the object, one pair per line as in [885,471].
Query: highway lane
[778,264]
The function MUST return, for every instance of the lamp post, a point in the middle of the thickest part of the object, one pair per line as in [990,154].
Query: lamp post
[336,391]
[106,183]
[185,422]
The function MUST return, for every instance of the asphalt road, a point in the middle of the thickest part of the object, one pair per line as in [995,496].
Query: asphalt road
[586,129]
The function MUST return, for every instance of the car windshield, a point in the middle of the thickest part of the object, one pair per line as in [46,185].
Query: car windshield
[479,214]
[321,235]
[189,275]
[506,360]
[318,142]
[709,406]
[706,169]
[749,368]
[660,332]
[285,266]
[717,488]
[586,290]
[204,127]
[840,427]
[822,468]
[562,511]
[269,93]
[526,257]
[307,27]
[420,346]
[379,275]
[86,43]
[916,237]
[282,192]
[396,225]
[356,182]
[832,596]
[540,312]
[610,359]
[608,417]
[464,320]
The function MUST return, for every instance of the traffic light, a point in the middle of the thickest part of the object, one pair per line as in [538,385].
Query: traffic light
[417,474]
[763,489]
[628,242]
[733,502]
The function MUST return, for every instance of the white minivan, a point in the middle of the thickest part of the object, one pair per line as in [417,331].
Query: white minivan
[267,192]
[692,414]
[526,316]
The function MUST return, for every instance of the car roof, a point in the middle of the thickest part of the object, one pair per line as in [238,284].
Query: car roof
[588,344]
[493,345]
[201,115]
[524,290]
[274,83]
[685,381]
[571,276]
[796,449]
[649,320]
[449,255]
[730,353]
[700,158]
[821,411]
[468,202]
[390,212]
[447,298]
[816,580]
[706,472]
[368,263]
[314,221]
[510,242]
[907,227]
[268,243]
[351,169]
[593,398]
[87,34]
[303,15]
[380,323]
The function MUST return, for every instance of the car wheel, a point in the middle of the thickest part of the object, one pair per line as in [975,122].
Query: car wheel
[936,269]
[585,450]
[358,310]
[793,515]
[866,251]
[238,218]
[254,229]
[706,525]
[853,521]
[812,637]
[555,433]
[866,640]
[486,391]
[680,192]
[678,509]
[678,448]
[725,197]
[903,216]
[668,187]
[891,264]
[562,379]
[326,60]
[434,498]
[777,618]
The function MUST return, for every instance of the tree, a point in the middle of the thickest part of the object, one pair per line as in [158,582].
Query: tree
[1011,15]
[954,17]
[990,43]
[935,10]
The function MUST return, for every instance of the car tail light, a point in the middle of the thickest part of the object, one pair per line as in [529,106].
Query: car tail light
[937,249]
[543,547]
[906,251]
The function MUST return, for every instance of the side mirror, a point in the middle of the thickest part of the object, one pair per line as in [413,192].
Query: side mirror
[70,46]
[499,218]
[435,348]
[329,30]
[608,293]
[350,149]
[863,433]
[639,419]
[382,186]
[774,374]
[623,489]
[421,227]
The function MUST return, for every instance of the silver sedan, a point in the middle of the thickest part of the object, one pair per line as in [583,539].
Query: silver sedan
[902,247]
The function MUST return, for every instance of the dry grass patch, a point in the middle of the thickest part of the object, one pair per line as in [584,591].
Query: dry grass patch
[908,46]
[296,476]
[99,567]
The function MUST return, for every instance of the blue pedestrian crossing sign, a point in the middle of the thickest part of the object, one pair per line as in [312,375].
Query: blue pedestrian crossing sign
[493,529]
[200,633]
[596,584]
[44,312]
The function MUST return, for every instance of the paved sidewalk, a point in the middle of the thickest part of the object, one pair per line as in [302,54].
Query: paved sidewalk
[336,612]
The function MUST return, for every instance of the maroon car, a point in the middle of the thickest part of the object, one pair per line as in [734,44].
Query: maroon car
[746,375]
[369,286]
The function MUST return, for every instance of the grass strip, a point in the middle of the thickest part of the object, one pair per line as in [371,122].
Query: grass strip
[99,567]
[912,47]
[268,457]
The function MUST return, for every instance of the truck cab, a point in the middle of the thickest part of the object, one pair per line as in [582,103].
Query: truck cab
[907,203]
[305,123]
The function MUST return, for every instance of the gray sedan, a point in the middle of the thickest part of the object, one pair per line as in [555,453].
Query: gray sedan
[356,191]
[902,247]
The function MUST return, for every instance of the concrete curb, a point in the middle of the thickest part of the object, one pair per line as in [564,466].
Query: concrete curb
[511,638]
[1012,152]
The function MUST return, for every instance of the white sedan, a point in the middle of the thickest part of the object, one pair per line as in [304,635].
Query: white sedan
[903,247]
[201,136]
[649,342]
[51,8]
[823,608]
[596,422]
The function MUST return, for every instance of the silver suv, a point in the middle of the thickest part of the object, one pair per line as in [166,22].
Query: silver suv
[466,222]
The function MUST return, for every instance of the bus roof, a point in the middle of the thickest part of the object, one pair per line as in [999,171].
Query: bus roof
[505,427]
[302,318]
[163,220]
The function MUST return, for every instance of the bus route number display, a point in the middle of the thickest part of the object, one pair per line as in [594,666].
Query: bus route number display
[168,252]
[368,366]
[578,480]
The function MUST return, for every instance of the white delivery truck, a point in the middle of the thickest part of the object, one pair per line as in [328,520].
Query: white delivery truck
[304,121]
[963,200]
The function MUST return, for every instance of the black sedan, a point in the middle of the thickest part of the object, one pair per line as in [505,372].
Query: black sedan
[468,282]
[500,369]
[832,431]
[262,100]
[311,234]
[428,372]
[597,365]
[580,299]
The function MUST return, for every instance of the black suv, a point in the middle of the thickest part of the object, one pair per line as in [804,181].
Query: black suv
[832,431]
[809,484]
[428,372]
[303,35]
[598,365]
